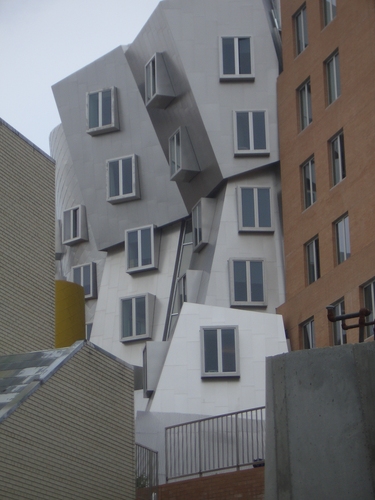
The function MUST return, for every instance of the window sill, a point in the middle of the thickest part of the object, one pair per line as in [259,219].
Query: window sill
[237,78]
[248,152]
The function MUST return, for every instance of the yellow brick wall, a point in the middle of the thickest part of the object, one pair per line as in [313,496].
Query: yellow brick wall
[26,245]
[74,437]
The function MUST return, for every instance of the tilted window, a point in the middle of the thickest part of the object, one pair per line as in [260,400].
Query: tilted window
[254,208]
[140,249]
[304,96]
[175,152]
[136,317]
[85,276]
[308,334]
[75,225]
[182,159]
[247,283]
[158,87]
[309,183]
[313,261]
[236,58]
[300,21]
[202,217]
[122,179]
[338,158]
[333,78]
[329,10]
[251,134]
[342,239]
[220,352]
[102,111]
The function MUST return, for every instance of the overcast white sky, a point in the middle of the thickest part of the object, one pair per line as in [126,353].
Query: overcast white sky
[43,41]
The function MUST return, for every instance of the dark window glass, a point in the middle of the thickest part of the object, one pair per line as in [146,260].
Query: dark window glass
[248,213]
[259,126]
[256,275]
[244,56]
[67,225]
[239,274]
[87,279]
[75,223]
[106,107]
[243,134]
[114,188]
[93,110]
[77,275]
[264,207]
[228,350]
[133,249]
[146,246]
[140,316]
[127,175]
[127,318]
[228,56]
[210,351]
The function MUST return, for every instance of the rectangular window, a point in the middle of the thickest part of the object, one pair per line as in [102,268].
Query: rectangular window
[300,20]
[136,317]
[85,276]
[220,352]
[312,258]
[74,225]
[309,183]
[250,133]
[139,245]
[247,283]
[197,225]
[333,77]
[202,216]
[254,209]
[304,94]
[236,58]
[338,158]
[175,152]
[342,239]
[150,79]
[122,179]
[102,113]
[308,334]
[339,334]
[369,302]
[329,9]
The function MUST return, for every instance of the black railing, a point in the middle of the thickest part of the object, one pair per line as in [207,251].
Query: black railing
[228,441]
[146,472]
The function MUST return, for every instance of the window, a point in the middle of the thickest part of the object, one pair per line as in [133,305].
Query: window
[139,245]
[150,79]
[236,59]
[250,133]
[202,216]
[369,301]
[333,77]
[74,225]
[313,263]
[175,152]
[254,209]
[102,113]
[342,239]
[247,283]
[339,334]
[136,317]
[86,276]
[309,183]
[220,353]
[182,158]
[122,179]
[300,20]
[304,93]
[158,87]
[338,158]
[308,334]
[329,9]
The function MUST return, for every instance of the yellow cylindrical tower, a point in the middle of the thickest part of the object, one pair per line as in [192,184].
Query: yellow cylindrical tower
[70,313]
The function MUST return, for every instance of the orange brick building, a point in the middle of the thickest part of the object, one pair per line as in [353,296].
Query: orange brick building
[326,96]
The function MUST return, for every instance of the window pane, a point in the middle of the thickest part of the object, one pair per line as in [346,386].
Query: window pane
[127,175]
[243,132]
[239,276]
[264,207]
[87,279]
[228,350]
[67,225]
[312,250]
[178,151]
[146,246]
[140,316]
[197,223]
[259,131]
[93,110]
[340,237]
[106,107]
[256,275]
[248,213]
[75,216]
[337,71]
[210,351]
[339,335]
[127,318]
[309,335]
[133,249]
[244,56]
[309,183]
[368,292]
[172,152]
[113,172]
[77,275]
[228,56]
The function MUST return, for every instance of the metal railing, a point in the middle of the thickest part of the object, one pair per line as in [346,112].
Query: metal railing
[146,472]
[229,441]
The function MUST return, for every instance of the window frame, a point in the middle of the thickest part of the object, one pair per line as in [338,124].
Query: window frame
[236,75]
[308,333]
[149,305]
[301,30]
[219,335]
[92,294]
[153,257]
[108,127]
[342,238]
[309,195]
[312,264]
[305,104]
[339,171]
[249,283]
[332,69]
[256,209]
[77,225]
[175,153]
[150,79]
[369,285]
[329,13]
[250,136]
[121,197]
[337,331]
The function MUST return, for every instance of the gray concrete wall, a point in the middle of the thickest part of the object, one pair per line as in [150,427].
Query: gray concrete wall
[320,437]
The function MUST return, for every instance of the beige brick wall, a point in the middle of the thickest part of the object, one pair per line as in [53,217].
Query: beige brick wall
[74,437]
[26,245]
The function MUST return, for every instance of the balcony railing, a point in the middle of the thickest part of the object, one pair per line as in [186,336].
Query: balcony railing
[228,441]
[147,474]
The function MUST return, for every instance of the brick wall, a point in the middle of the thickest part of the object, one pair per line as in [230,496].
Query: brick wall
[27,268]
[242,485]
